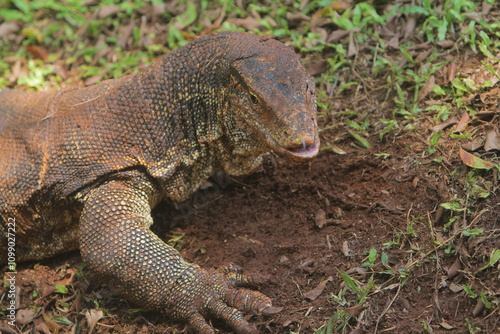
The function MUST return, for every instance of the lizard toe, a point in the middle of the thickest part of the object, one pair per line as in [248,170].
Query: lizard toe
[247,300]
[199,324]
[232,317]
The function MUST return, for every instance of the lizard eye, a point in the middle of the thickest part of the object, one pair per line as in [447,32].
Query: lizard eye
[254,99]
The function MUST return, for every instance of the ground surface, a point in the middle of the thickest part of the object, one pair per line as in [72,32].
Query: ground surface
[357,241]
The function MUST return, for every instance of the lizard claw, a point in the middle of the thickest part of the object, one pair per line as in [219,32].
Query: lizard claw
[212,293]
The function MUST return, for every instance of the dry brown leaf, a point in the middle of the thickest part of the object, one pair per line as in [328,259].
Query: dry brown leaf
[452,71]
[296,18]
[355,310]
[484,115]
[473,145]
[492,141]
[394,42]
[464,121]
[455,287]
[50,323]
[427,88]
[43,328]
[446,325]
[446,44]
[420,46]
[93,316]
[320,218]
[125,33]
[478,308]
[410,25]
[449,122]
[318,290]
[248,23]
[37,51]
[423,55]
[493,93]
[68,277]
[454,269]
[8,28]
[92,80]
[337,35]
[352,49]
[385,33]
[25,316]
[316,67]
[345,249]
[107,10]
[481,74]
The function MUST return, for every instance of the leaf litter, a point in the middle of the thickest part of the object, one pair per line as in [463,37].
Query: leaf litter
[281,208]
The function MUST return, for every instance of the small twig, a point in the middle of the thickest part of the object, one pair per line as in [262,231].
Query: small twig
[387,308]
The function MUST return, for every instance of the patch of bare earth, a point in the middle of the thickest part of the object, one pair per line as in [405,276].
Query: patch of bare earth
[298,227]
[268,223]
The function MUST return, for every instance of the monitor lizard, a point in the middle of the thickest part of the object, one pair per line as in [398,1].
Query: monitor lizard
[81,168]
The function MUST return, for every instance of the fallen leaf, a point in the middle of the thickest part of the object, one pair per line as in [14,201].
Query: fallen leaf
[445,44]
[320,218]
[454,269]
[446,325]
[452,70]
[318,290]
[295,19]
[249,23]
[345,249]
[475,162]
[352,49]
[464,121]
[423,55]
[337,35]
[125,33]
[355,310]
[410,25]
[93,316]
[455,287]
[316,67]
[37,51]
[427,88]
[473,145]
[67,279]
[8,28]
[50,323]
[394,42]
[484,115]
[478,308]
[492,141]
[449,122]
[107,10]
[25,316]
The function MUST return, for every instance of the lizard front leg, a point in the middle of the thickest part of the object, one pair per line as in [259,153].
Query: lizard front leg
[116,242]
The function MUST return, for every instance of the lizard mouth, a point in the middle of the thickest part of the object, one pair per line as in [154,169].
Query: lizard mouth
[305,151]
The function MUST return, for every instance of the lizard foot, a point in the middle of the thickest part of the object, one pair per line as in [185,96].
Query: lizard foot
[199,294]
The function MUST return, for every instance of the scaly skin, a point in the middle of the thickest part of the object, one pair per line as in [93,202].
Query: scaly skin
[82,168]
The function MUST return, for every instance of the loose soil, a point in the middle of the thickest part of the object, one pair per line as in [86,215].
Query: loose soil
[268,224]
[300,227]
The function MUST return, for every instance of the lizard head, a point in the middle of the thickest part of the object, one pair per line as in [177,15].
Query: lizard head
[276,98]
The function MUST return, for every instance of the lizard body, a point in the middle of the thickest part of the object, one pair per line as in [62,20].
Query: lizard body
[82,168]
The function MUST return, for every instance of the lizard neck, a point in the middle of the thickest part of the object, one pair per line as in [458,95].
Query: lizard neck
[186,98]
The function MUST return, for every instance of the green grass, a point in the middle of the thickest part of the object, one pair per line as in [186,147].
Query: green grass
[76,39]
